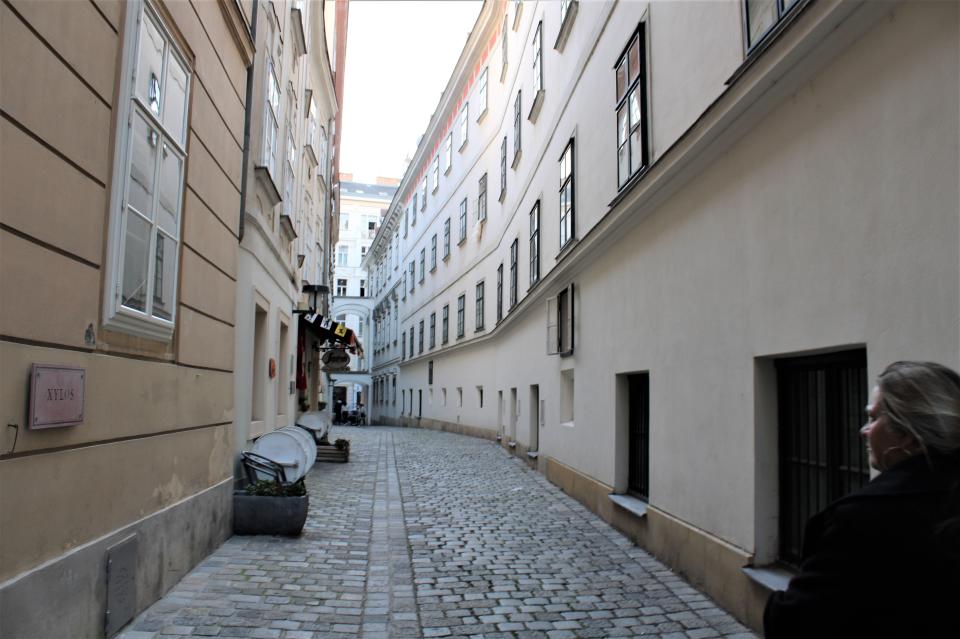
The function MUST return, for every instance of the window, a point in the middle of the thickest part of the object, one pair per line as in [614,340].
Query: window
[271,120]
[820,402]
[413,274]
[433,330]
[406,215]
[762,15]
[560,325]
[345,221]
[482,199]
[288,173]
[433,252]
[464,125]
[446,238]
[631,110]
[479,306]
[363,251]
[423,186]
[480,396]
[343,255]
[503,49]
[638,437]
[447,155]
[500,292]
[482,94]
[463,221]
[430,372]
[413,214]
[411,341]
[461,313]
[423,263]
[537,45]
[436,174]
[514,249]
[566,195]
[420,347]
[503,168]
[404,349]
[516,129]
[363,288]
[341,287]
[445,325]
[564,8]
[146,204]
[535,244]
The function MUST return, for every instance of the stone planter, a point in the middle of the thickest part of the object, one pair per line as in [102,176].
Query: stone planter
[330,453]
[254,515]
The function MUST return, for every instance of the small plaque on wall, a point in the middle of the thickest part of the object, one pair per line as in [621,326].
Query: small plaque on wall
[56,396]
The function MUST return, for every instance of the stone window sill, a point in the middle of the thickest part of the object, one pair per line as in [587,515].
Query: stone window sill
[631,504]
[771,577]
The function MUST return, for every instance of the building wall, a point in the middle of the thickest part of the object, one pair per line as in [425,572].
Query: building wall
[158,413]
[782,214]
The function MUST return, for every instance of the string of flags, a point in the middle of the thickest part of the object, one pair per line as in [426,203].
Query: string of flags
[338,331]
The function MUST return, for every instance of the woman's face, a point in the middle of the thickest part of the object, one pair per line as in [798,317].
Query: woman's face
[882,438]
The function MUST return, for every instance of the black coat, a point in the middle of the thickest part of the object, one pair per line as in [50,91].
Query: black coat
[879,562]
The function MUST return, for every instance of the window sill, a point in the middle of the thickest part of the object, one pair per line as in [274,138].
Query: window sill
[536,106]
[265,179]
[772,577]
[461,241]
[568,424]
[141,326]
[516,159]
[446,257]
[533,454]
[566,27]
[447,171]
[629,185]
[566,248]
[482,116]
[433,268]
[463,145]
[631,504]
[503,72]
[503,196]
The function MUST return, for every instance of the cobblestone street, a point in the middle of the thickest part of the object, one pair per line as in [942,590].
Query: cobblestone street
[429,534]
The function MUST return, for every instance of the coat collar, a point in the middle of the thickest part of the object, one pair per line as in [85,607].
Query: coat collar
[916,475]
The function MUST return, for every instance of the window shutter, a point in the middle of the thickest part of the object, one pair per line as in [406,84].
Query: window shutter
[553,346]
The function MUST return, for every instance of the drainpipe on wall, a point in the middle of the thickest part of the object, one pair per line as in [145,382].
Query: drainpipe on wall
[248,108]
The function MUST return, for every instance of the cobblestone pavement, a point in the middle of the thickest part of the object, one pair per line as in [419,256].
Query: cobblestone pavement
[430,534]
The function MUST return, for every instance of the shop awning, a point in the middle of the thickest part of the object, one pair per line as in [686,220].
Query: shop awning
[327,329]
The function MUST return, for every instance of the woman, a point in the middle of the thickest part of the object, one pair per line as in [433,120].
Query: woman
[884,561]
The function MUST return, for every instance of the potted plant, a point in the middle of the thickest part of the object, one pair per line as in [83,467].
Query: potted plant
[269,506]
[338,452]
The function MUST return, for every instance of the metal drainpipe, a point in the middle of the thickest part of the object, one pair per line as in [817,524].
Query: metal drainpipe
[248,108]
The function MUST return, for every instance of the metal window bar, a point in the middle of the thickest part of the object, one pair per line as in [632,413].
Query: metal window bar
[638,475]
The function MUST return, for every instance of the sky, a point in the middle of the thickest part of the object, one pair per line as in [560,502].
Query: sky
[399,57]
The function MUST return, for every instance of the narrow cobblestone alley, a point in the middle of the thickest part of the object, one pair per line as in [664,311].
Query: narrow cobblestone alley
[430,534]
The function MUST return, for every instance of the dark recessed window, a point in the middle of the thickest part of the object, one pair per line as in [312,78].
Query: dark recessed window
[631,109]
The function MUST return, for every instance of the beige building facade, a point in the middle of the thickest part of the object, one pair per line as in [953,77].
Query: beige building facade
[683,237]
[121,146]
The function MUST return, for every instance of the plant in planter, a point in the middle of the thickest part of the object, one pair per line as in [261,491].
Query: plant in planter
[269,506]
[338,452]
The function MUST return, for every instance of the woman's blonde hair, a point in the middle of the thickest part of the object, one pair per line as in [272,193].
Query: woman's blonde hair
[923,399]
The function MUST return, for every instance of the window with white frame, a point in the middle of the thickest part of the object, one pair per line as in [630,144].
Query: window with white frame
[503,168]
[149,176]
[420,343]
[463,221]
[567,201]
[445,325]
[406,215]
[564,9]
[341,287]
[343,255]
[464,124]
[413,274]
[433,330]
[500,292]
[535,244]
[271,120]
[537,45]
[479,300]
[631,109]
[461,315]
[482,94]
[423,263]
[433,252]
[482,198]
[514,254]
[517,119]
[560,326]
[447,154]
[446,238]
[435,173]
[503,49]
[423,192]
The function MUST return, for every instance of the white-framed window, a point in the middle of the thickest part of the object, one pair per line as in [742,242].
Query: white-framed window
[560,322]
[436,175]
[288,172]
[631,109]
[479,306]
[564,8]
[447,154]
[433,252]
[503,168]
[461,315]
[423,191]
[343,255]
[446,238]
[463,221]
[464,125]
[503,49]
[148,180]
[341,287]
[537,45]
[271,121]
[517,119]
[482,198]
[567,200]
[482,94]
[423,263]
[535,243]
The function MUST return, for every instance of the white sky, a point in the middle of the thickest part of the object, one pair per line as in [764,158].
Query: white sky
[399,58]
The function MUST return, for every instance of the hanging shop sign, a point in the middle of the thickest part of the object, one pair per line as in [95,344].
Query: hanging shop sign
[56,396]
[336,360]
